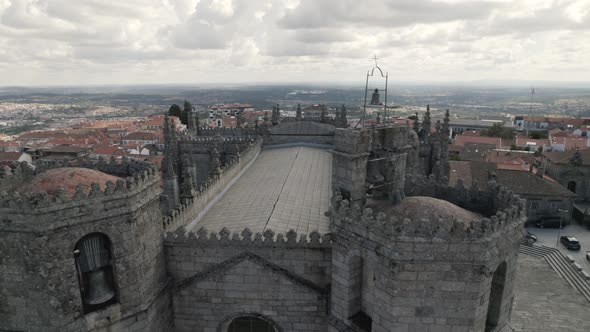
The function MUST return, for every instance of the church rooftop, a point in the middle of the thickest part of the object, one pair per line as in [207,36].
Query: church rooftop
[285,188]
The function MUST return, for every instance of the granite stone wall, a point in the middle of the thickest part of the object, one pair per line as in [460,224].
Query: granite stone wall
[14,174]
[39,288]
[425,275]
[566,173]
[220,276]
[300,132]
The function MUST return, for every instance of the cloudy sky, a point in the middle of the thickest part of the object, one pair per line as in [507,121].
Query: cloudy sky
[68,42]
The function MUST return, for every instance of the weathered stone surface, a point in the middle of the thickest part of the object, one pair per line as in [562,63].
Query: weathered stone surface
[434,269]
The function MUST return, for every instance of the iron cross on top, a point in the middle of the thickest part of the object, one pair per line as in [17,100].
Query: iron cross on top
[375,58]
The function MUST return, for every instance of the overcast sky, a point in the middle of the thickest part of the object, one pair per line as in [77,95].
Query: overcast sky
[68,42]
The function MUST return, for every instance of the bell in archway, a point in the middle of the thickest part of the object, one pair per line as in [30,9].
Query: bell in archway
[99,290]
[374,175]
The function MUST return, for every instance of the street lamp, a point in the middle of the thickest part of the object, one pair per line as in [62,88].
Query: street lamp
[561,212]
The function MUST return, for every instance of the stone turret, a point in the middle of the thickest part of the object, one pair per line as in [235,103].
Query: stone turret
[323,114]
[372,162]
[446,127]
[275,115]
[170,185]
[426,125]
[576,158]
[416,124]
[191,125]
[426,263]
[169,169]
[341,121]
[265,118]
[85,259]
[298,116]
[192,169]
[188,184]
[171,143]
[214,163]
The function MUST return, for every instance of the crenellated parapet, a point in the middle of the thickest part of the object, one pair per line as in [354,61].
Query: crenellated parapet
[214,139]
[246,238]
[205,144]
[36,210]
[226,131]
[504,211]
[14,173]
[486,199]
[295,119]
[207,191]
[119,167]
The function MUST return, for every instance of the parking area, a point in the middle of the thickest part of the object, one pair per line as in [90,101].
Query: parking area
[549,237]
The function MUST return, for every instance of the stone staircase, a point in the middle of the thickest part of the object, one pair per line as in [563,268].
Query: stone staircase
[561,265]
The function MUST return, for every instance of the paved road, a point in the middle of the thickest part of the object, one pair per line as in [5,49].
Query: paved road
[548,237]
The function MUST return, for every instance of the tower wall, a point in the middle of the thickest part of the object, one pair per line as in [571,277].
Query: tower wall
[38,274]
[351,152]
[420,275]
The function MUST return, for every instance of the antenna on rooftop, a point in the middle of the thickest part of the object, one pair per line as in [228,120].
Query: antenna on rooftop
[531,105]
[530,109]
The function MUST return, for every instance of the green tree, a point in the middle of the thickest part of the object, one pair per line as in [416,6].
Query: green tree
[175,110]
[537,134]
[188,107]
[498,130]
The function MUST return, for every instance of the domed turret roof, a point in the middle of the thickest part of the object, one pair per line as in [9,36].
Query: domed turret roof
[418,208]
[68,178]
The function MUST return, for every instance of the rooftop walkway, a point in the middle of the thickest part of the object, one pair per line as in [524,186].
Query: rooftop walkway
[285,188]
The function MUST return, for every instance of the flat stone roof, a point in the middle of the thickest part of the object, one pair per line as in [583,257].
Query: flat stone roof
[285,188]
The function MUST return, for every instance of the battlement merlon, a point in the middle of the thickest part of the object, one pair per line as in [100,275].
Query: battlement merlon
[37,212]
[246,238]
[401,238]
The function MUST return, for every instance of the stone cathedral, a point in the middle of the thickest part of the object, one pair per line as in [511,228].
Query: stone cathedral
[295,225]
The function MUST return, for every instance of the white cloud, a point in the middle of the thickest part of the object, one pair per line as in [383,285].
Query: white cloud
[190,41]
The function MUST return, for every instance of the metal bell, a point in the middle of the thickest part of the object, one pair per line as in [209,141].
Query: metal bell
[374,175]
[98,289]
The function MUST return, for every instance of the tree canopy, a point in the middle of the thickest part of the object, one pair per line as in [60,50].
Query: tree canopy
[498,130]
[174,110]
[181,113]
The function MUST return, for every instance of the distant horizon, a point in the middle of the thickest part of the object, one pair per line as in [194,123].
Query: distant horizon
[481,83]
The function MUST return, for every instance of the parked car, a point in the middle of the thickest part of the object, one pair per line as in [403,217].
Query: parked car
[531,236]
[550,222]
[570,242]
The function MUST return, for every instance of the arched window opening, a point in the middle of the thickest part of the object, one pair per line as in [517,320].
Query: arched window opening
[251,324]
[94,263]
[571,186]
[496,295]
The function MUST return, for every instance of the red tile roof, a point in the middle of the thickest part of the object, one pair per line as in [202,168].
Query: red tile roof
[460,140]
[10,156]
[141,136]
